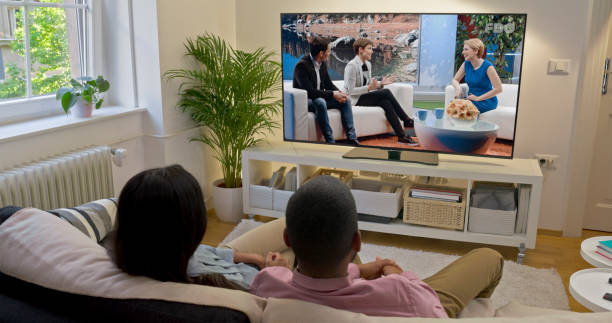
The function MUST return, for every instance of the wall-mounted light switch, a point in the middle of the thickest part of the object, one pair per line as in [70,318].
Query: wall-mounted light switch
[559,66]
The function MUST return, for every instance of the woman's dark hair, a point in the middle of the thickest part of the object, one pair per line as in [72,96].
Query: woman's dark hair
[161,219]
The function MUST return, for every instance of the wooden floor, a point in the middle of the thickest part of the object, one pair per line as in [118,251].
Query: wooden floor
[552,250]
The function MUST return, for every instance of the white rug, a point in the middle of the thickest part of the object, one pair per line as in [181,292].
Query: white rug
[524,284]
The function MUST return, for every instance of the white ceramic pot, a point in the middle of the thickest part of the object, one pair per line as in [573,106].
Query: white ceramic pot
[81,109]
[228,202]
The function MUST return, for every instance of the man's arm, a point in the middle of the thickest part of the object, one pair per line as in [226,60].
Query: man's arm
[327,83]
[304,82]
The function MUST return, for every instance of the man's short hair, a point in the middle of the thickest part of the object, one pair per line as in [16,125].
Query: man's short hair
[318,44]
[321,220]
[361,43]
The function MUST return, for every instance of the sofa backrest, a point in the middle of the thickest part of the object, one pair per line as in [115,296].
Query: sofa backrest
[508,97]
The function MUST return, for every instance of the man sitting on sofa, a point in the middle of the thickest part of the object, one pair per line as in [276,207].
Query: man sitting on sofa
[321,228]
[310,74]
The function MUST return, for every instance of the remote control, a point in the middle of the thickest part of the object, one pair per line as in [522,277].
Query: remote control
[608,297]
[610,280]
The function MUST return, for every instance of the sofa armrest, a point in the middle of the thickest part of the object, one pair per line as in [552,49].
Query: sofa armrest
[404,93]
[449,93]
[295,103]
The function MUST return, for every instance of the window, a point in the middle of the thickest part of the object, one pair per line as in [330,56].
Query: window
[43,43]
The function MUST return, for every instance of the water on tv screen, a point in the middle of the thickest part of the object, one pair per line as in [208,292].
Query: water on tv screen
[429,82]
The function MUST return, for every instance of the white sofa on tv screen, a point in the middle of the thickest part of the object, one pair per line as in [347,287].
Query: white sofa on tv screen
[299,124]
[505,113]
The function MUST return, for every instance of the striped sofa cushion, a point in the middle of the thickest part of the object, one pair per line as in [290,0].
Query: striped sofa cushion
[95,219]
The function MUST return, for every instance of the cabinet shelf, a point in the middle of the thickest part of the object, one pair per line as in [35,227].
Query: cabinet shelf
[259,161]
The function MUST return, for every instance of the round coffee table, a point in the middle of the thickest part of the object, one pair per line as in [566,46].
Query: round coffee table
[450,136]
[588,286]
[587,251]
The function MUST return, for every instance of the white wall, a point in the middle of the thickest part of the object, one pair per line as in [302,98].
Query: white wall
[555,29]
[175,22]
[547,103]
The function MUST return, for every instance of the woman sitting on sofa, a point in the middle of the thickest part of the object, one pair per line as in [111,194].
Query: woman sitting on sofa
[161,219]
[480,75]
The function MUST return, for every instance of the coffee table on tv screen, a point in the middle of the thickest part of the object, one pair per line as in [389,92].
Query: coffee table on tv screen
[455,136]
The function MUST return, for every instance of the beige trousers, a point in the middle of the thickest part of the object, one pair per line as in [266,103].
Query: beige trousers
[474,275]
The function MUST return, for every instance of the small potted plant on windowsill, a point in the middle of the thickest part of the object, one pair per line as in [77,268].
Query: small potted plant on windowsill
[85,93]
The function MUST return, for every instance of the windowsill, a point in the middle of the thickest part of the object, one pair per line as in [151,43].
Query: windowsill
[41,126]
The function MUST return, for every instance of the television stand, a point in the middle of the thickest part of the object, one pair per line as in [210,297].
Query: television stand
[421,157]
[259,163]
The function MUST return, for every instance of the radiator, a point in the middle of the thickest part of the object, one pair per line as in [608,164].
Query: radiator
[59,182]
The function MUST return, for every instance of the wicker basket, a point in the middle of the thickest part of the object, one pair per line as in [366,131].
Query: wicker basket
[434,213]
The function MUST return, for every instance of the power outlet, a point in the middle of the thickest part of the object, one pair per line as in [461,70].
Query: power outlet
[546,160]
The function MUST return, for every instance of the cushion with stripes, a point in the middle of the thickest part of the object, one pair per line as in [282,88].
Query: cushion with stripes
[95,219]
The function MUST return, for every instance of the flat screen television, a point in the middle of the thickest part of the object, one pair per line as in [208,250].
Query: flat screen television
[417,56]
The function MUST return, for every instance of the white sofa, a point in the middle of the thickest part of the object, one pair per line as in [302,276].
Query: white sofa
[299,124]
[505,114]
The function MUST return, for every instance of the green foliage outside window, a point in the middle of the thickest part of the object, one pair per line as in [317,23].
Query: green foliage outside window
[502,42]
[49,54]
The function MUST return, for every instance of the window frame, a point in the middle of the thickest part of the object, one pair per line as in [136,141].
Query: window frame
[38,106]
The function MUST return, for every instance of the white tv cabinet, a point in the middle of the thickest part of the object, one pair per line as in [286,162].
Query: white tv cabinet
[260,162]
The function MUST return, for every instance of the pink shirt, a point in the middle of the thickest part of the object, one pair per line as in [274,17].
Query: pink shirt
[394,295]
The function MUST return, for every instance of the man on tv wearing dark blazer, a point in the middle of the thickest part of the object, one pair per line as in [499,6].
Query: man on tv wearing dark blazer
[310,74]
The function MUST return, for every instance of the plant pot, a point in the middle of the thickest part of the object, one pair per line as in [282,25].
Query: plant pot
[81,109]
[228,202]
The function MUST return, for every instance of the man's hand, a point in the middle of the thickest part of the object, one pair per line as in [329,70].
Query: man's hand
[374,269]
[249,258]
[387,80]
[373,85]
[340,96]
[275,259]
[392,269]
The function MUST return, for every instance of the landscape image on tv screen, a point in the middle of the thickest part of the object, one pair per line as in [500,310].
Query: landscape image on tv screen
[428,82]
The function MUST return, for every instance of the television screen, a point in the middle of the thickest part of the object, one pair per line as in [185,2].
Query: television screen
[428,82]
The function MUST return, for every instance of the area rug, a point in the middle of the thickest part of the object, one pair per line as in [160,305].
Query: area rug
[524,284]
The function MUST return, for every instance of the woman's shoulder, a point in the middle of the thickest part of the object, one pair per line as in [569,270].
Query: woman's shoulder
[486,63]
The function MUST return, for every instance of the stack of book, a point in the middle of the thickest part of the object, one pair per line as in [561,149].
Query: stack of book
[604,248]
[524,192]
[435,194]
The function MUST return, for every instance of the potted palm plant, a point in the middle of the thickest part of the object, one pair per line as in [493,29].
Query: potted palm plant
[231,94]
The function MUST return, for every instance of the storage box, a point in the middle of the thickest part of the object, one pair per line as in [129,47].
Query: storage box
[370,200]
[260,196]
[491,221]
[280,199]
[344,176]
[434,213]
